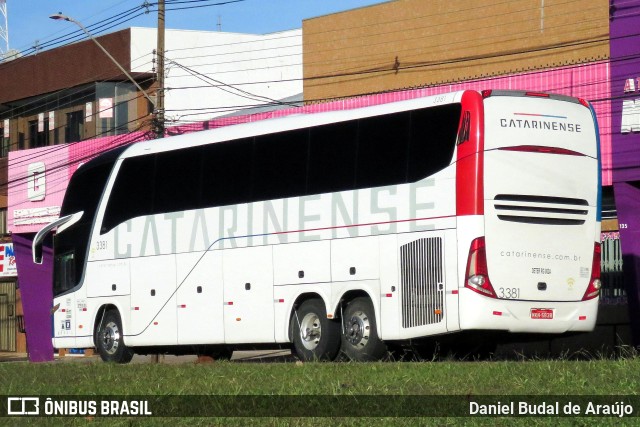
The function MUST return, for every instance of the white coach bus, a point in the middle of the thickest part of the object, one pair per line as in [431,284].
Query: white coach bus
[340,232]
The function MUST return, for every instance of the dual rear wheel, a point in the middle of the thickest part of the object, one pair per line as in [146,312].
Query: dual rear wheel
[315,337]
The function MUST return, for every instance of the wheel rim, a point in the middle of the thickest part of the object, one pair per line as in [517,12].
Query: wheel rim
[357,329]
[310,331]
[110,338]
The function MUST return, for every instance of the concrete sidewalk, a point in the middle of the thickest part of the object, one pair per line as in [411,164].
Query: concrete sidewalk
[12,357]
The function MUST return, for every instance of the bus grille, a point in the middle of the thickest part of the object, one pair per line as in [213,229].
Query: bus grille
[421,281]
[541,209]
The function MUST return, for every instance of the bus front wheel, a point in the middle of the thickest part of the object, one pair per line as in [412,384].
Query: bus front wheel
[314,336]
[360,340]
[109,339]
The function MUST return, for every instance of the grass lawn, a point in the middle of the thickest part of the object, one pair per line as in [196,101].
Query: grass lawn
[348,388]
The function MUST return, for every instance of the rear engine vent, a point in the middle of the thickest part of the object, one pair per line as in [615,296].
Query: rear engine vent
[541,209]
[422,282]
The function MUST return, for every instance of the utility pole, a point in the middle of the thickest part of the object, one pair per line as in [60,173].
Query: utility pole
[159,106]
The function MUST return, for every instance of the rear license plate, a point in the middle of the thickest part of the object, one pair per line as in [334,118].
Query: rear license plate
[542,313]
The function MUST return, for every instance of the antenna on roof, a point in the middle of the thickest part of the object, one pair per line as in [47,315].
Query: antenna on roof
[4,29]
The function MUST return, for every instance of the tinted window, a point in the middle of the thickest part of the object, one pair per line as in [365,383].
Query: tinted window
[178,180]
[280,165]
[226,173]
[83,194]
[377,151]
[132,193]
[85,190]
[382,150]
[433,140]
[332,150]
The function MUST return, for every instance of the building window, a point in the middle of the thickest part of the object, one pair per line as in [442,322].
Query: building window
[38,139]
[3,222]
[73,129]
[4,144]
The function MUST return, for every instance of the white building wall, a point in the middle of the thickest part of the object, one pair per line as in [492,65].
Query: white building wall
[210,74]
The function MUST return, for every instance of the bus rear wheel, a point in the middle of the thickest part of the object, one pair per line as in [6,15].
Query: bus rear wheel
[360,340]
[109,339]
[315,338]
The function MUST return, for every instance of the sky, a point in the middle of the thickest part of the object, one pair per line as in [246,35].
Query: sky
[28,20]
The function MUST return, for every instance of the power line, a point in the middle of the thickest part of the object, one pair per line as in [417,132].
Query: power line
[222,86]
[109,23]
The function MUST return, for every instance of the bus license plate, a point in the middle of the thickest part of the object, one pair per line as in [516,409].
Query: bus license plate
[542,313]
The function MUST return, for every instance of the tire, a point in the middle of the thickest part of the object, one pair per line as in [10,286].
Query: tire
[109,339]
[360,340]
[315,338]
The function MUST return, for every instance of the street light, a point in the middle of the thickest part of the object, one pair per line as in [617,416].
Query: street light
[61,17]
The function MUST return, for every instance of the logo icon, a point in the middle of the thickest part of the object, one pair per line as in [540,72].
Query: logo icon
[570,282]
[23,406]
[36,181]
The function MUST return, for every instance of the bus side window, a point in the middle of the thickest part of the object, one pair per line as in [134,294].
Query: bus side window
[280,165]
[382,150]
[332,154]
[132,193]
[433,140]
[178,180]
[226,173]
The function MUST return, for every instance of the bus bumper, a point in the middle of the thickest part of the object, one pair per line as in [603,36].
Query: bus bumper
[479,312]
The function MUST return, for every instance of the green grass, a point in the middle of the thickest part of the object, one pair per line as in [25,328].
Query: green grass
[314,380]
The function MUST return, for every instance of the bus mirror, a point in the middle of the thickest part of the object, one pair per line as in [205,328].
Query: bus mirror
[36,245]
[37,254]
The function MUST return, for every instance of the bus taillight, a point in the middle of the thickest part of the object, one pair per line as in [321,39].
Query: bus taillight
[593,290]
[477,277]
